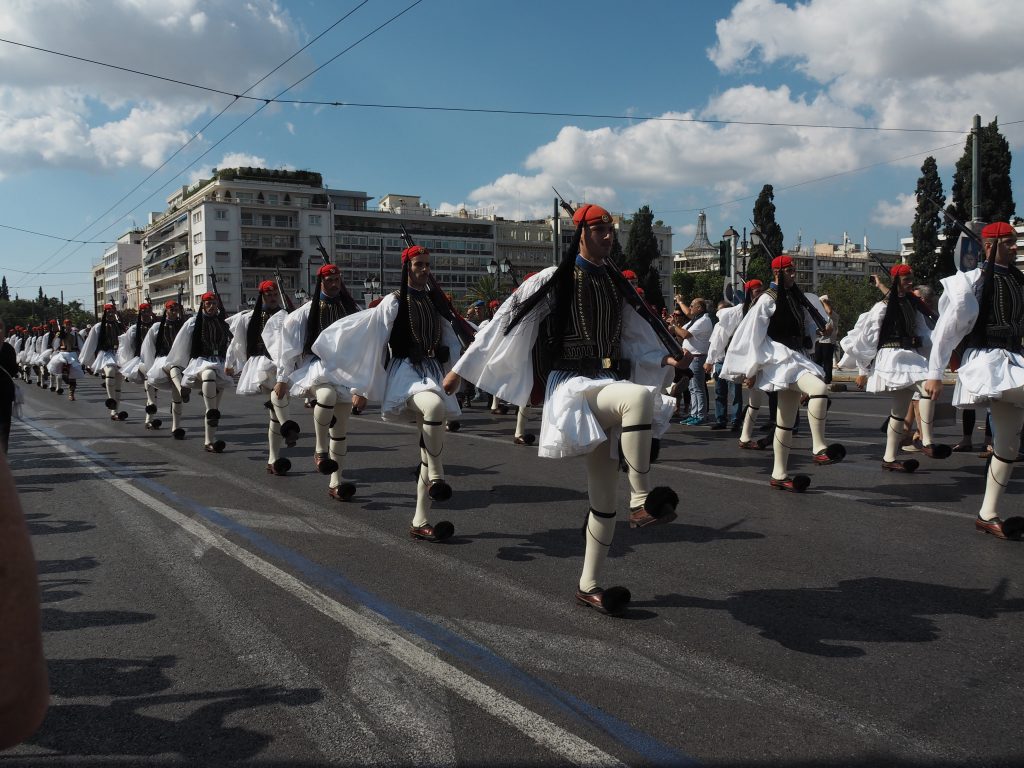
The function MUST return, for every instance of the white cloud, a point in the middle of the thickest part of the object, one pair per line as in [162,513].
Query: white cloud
[862,69]
[58,112]
[896,215]
[290,127]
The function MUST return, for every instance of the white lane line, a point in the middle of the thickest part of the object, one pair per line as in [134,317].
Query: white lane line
[548,735]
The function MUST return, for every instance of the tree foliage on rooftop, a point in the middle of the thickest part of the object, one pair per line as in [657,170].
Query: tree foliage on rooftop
[764,220]
[994,190]
[642,254]
[927,224]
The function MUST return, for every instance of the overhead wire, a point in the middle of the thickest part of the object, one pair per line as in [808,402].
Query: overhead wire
[477,110]
[195,135]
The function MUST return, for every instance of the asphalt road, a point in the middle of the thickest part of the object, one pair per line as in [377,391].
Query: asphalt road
[200,612]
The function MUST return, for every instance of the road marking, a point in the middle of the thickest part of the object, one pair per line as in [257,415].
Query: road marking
[375,629]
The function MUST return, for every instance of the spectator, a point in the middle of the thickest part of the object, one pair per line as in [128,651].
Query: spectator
[24,690]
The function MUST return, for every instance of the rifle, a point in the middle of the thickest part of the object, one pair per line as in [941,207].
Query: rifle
[634,299]
[819,321]
[280,291]
[213,277]
[463,330]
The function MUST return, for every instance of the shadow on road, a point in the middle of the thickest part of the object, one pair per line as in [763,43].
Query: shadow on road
[835,621]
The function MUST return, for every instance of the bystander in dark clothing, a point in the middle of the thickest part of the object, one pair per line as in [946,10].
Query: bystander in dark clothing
[9,366]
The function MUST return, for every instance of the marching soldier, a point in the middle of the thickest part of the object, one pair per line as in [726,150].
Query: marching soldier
[411,331]
[301,373]
[770,351]
[888,344]
[155,348]
[983,310]
[100,354]
[603,369]
[200,350]
[254,334]
[129,356]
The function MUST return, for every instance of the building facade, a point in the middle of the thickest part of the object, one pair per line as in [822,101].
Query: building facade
[235,229]
[120,257]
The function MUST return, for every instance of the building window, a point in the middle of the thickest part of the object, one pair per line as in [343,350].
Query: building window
[197,259]
[222,214]
[197,238]
[200,279]
[197,216]
[222,235]
[314,219]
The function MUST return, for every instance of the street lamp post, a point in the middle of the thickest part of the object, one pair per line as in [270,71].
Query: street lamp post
[372,285]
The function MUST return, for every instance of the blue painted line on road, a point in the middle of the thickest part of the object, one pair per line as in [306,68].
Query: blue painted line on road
[440,637]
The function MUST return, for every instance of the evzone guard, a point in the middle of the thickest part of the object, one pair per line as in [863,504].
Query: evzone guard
[99,353]
[982,310]
[889,344]
[770,351]
[410,332]
[603,368]
[130,362]
[51,339]
[155,348]
[301,373]
[199,350]
[728,321]
[65,363]
[255,339]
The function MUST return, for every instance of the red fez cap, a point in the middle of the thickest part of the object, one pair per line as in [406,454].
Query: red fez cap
[327,269]
[145,305]
[781,262]
[413,250]
[629,274]
[267,286]
[639,291]
[752,284]
[528,275]
[67,321]
[998,229]
[208,296]
[591,214]
[493,304]
[170,304]
[107,306]
[898,270]
[53,322]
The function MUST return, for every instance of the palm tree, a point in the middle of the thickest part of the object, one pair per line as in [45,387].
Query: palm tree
[485,289]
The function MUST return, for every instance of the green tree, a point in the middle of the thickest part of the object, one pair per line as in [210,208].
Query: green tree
[5,292]
[641,255]
[709,285]
[927,223]
[764,221]
[683,283]
[758,268]
[850,298]
[994,190]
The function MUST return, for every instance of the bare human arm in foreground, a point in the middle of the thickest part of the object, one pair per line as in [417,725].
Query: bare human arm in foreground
[24,688]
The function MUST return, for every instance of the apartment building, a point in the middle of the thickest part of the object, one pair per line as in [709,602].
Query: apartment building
[239,226]
[117,259]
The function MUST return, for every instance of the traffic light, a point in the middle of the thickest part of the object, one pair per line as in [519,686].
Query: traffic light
[723,257]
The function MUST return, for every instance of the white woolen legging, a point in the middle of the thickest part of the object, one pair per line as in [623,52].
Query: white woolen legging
[901,399]
[211,399]
[631,406]
[1007,419]
[756,398]
[332,440]
[112,381]
[785,418]
[430,415]
[174,374]
[278,415]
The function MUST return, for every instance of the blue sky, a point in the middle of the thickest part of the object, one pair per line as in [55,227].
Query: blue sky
[75,137]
